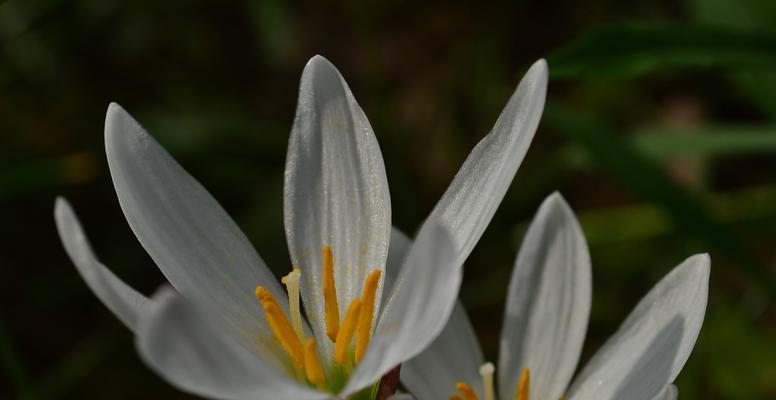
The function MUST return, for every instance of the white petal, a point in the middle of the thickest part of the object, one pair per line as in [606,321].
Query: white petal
[189,348]
[416,311]
[548,304]
[469,203]
[650,348]
[401,396]
[400,246]
[336,192]
[190,237]
[454,356]
[124,301]
[669,392]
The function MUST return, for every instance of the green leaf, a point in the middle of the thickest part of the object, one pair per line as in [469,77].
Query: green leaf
[735,354]
[741,14]
[645,221]
[629,50]
[746,16]
[645,179]
[662,142]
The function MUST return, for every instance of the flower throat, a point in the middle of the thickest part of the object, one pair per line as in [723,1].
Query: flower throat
[466,392]
[302,350]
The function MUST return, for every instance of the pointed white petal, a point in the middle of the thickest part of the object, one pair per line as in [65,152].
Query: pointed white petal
[336,192]
[469,203]
[124,301]
[548,304]
[190,237]
[400,246]
[417,309]
[190,349]
[651,346]
[454,356]
[669,392]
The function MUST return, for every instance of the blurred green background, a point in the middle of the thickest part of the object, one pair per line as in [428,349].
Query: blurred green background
[660,130]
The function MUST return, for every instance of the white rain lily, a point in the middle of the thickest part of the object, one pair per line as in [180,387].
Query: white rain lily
[226,329]
[547,310]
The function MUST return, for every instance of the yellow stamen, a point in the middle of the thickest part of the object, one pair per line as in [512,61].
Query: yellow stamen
[523,388]
[486,371]
[312,365]
[330,295]
[466,391]
[280,326]
[292,287]
[364,329]
[345,334]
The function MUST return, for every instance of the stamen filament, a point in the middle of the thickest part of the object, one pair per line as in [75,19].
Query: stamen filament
[466,391]
[312,365]
[345,334]
[486,371]
[280,326]
[330,295]
[364,329]
[523,389]
[292,287]
[358,321]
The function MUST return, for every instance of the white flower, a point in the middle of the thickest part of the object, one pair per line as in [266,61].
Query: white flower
[548,304]
[228,330]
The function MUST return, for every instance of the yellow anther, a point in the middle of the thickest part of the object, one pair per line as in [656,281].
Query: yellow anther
[312,365]
[280,326]
[523,389]
[466,391]
[345,334]
[364,329]
[292,287]
[330,295]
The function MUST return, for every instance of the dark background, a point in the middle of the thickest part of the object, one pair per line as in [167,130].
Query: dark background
[660,130]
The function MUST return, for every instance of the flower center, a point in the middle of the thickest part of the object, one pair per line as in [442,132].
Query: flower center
[486,371]
[303,351]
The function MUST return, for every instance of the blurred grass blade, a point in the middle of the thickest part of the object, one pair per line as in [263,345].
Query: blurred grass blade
[629,50]
[13,368]
[648,181]
[621,225]
[646,221]
[662,142]
[747,16]
[92,352]
[761,87]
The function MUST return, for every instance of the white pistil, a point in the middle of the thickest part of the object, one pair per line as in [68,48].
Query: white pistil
[486,371]
[292,287]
